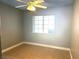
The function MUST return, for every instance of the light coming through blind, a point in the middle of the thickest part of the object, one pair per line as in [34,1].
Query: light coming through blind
[43,24]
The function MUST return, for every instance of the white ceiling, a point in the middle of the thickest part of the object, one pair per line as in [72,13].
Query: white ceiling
[48,3]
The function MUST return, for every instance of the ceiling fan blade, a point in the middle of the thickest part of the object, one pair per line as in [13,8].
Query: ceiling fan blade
[41,0]
[21,6]
[31,8]
[20,1]
[38,1]
[41,6]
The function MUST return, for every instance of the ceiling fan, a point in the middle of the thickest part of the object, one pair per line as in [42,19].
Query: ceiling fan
[31,5]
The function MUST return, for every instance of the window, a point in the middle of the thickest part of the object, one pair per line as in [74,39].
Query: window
[43,24]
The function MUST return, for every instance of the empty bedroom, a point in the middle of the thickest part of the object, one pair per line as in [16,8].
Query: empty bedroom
[39,29]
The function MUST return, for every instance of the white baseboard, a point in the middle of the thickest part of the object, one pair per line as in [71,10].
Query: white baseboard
[38,44]
[49,46]
[7,49]
[71,54]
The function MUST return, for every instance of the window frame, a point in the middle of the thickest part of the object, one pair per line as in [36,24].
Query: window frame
[33,24]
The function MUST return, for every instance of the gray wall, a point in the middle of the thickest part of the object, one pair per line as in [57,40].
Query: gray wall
[75,31]
[62,34]
[12,26]
[11,20]
[0,40]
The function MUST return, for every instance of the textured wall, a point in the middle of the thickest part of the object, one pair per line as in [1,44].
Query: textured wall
[62,34]
[11,20]
[75,31]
